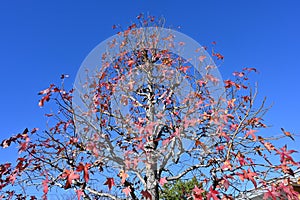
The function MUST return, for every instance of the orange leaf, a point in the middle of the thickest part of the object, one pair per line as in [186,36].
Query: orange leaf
[123,176]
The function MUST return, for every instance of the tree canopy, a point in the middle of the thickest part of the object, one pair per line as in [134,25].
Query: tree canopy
[149,108]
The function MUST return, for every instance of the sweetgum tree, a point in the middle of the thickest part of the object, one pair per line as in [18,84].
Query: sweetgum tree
[149,108]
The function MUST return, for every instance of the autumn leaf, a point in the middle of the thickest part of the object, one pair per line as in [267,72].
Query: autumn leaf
[230,83]
[197,193]
[49,115]
[12,178]
[249,175]
[220,148]
[250,69]
[23,145]
[230,103]
[219,56]
[123,176]
[246,98]
[269,146]
[183,68]
[224,134]
[44,99]
[163,181]
[201,144]
[212,194]
[202,58]
[287,134]
[273,194]
[225,182]
[227,165]
[285,155]
[46,91]
[127,190]
[34,130]
[45,187]
[239,74]
[201,83]
[251,132]
[146,194]
[84,168]
[130,63]
[79,194]
[109,182]
[70,175]
[241,159]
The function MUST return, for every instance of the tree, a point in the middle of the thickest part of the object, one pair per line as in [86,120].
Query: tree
[180,189]
[148,108]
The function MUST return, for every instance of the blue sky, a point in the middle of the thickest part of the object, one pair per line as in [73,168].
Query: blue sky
[41,40]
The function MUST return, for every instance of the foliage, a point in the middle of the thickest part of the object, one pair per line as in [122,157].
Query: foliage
[179,189]
[150,115]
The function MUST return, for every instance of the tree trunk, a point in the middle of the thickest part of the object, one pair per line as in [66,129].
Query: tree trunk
[151,178]
[151,165]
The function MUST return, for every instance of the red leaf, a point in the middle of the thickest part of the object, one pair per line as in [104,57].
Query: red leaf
[183,68]
[220,148]
[45,185]
[24,145]
[241,159]
[248,175]
[197,193]
[219,56]
[12,178]
[223,134]
[109,182]
[251,132]
[146,194]
[227,165]
[34,130]
[79,194]
[130,62]
[70,175]
[231,103]
[127,190]
[229,83]
[162,181]
[44,91]
[45,98]
[84,168]
[285,155]
[212,194]
[271,194]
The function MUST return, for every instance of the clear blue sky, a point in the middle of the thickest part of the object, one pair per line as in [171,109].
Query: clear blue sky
[39,40]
